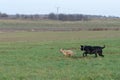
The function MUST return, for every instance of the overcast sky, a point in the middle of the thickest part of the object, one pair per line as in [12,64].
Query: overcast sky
[94,7]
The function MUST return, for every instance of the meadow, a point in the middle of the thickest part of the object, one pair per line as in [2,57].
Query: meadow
[49,25]
[34,55]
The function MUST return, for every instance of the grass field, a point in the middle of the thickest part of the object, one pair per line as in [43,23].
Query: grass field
[47,25]
[35,55]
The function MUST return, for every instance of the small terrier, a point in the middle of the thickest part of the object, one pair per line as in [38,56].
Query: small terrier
[67,52]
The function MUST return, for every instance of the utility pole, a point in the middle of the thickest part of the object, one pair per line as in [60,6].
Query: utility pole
[57,14]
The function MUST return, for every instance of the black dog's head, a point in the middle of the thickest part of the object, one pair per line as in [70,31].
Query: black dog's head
[82,48]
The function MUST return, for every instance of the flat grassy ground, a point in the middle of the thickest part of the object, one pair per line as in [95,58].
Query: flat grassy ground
[48,25]
[29,50]
[36,56]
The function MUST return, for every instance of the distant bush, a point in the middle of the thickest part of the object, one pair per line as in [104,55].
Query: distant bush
[68,17]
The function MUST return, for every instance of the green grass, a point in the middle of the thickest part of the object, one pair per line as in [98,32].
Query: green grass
[46,24]
[56,36]
[36,56]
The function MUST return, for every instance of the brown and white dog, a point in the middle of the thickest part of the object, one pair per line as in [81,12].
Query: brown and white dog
[67,52]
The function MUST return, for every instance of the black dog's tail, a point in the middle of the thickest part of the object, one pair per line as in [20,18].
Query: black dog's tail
[103,47]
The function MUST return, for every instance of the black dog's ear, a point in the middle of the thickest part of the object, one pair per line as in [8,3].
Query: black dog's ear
[81,45]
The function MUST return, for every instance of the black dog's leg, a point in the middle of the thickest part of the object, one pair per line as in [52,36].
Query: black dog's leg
[84,54]
[95,54]
[100,53]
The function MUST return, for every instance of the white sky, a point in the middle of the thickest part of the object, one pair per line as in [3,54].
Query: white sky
[93,7]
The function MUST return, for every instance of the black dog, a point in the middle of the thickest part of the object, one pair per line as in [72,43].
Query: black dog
[92,50]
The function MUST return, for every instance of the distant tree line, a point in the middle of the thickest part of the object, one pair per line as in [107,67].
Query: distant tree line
[53,16]
[3,15]
[68,17]
[23,16]
[77,17]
